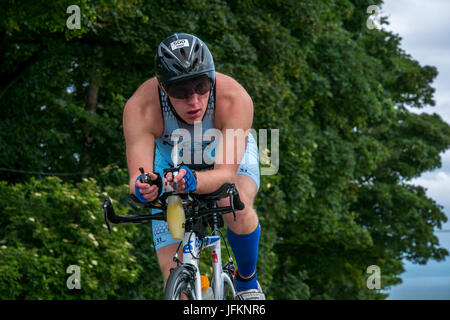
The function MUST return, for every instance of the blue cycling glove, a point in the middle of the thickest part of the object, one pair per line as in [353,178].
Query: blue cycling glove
[190,180]
[138,193]
[157,182]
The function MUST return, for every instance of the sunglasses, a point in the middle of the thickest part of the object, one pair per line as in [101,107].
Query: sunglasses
[185,90]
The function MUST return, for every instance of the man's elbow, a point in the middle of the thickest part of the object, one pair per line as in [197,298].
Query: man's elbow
[230,175]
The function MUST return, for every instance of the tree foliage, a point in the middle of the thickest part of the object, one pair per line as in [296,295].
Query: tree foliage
[336,91]
[46,226]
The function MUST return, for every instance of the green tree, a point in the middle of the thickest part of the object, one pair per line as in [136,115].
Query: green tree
[45,227]
[337,92]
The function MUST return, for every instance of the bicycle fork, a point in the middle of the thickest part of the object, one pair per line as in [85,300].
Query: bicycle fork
[192,246]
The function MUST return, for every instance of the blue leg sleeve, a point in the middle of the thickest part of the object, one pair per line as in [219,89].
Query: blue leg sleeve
[245,249]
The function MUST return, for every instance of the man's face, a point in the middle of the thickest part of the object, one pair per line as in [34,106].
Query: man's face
[190,98]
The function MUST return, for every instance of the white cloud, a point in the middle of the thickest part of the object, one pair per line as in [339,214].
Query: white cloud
[419,22]
[446,155]
[425,30]
[437,185]
[441,108]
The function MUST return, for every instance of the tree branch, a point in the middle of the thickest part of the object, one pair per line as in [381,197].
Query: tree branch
[8,80]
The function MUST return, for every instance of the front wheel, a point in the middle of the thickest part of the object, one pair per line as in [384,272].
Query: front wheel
[229,292]
[180,285]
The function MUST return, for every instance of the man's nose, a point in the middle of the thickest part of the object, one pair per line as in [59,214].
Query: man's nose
[193,99]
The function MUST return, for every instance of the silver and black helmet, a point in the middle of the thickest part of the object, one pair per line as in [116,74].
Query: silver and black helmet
[180,57]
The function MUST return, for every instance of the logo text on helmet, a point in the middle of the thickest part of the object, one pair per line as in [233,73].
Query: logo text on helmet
[177,44]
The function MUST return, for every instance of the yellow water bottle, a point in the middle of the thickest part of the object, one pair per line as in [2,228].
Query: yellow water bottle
[175,215]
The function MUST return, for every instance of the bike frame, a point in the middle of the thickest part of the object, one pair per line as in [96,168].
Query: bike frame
[192,247]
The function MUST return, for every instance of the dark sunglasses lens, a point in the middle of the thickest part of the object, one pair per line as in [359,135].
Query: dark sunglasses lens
[203,86]
[178,92]
[185,90]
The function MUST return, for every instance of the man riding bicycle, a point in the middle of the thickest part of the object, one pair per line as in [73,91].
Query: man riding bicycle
[187,94]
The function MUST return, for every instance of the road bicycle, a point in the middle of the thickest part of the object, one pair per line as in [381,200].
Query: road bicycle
[201,211]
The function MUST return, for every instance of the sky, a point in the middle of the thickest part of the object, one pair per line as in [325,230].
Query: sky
[424,27]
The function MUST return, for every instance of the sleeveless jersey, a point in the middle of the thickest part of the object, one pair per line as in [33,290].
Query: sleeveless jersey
[195,148]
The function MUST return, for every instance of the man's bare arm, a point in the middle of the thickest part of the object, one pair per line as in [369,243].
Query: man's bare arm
[140,124]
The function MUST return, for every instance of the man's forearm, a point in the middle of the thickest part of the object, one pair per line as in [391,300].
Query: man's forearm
[211,180]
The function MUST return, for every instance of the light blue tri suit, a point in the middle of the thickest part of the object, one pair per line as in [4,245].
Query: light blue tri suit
[163,154]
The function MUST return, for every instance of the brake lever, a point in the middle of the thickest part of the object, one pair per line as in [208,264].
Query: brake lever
[145,178]
[231,195]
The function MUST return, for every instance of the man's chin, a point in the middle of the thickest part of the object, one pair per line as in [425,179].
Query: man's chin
[192,120]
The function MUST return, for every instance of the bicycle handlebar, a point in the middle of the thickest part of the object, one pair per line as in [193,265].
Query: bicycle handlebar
[227,190]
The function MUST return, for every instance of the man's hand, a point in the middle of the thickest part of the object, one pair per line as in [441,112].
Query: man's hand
[146,192]
[185,180]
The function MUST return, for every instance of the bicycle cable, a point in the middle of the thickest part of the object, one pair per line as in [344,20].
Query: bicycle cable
[175,256]
[226,244]
[190,251]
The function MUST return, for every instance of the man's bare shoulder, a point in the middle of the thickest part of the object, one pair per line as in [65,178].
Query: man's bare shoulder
[232,100]
[142,110]
[227,85]
[146,94]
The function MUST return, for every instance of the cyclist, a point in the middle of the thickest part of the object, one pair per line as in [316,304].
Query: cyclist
[188,94]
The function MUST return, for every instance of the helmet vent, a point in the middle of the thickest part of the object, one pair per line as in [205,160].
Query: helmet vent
[166,54]
[195,63]
[183,53]
[203,54]
[178,68]
[196,47]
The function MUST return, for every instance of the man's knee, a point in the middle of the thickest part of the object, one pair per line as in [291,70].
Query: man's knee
[247,189]
[246,219]
[248,209]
